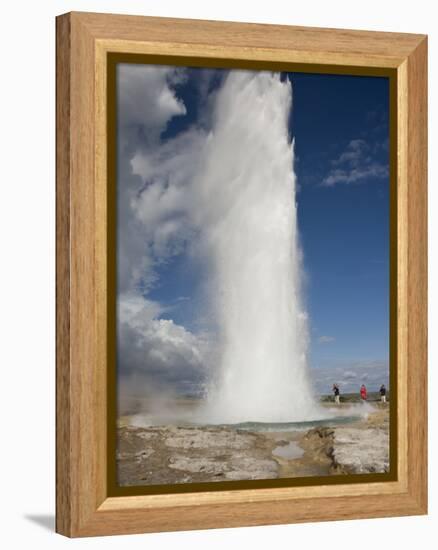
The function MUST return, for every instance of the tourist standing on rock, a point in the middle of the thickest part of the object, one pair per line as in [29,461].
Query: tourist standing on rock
[382,393]
[336,394]
[363,392]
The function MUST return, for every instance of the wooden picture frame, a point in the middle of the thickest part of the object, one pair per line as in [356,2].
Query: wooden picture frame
[84,505]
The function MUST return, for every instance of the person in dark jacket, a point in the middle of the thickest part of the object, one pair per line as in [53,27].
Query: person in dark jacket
[382,392]
[336,393]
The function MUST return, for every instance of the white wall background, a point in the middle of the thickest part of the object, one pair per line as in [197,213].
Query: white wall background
[27,284]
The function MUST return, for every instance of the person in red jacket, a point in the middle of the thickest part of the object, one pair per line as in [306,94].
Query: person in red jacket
[363,392]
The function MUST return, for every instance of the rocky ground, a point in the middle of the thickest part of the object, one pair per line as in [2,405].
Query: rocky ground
[187,454]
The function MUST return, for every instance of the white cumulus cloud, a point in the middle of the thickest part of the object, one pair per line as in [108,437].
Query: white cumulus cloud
[326,339]
[355,164]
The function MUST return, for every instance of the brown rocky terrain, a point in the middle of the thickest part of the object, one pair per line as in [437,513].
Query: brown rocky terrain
[188,454]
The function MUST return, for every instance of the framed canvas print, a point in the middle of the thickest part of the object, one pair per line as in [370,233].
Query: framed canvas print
[241,274]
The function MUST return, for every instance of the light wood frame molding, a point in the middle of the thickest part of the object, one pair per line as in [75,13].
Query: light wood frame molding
[83,505]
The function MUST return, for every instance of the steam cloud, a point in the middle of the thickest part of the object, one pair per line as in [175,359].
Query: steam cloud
[223,192]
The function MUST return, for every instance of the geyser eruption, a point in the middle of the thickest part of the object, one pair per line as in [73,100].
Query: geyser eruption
[249,235]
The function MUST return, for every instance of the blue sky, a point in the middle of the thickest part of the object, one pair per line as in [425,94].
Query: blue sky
[344,227]
[340,129]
